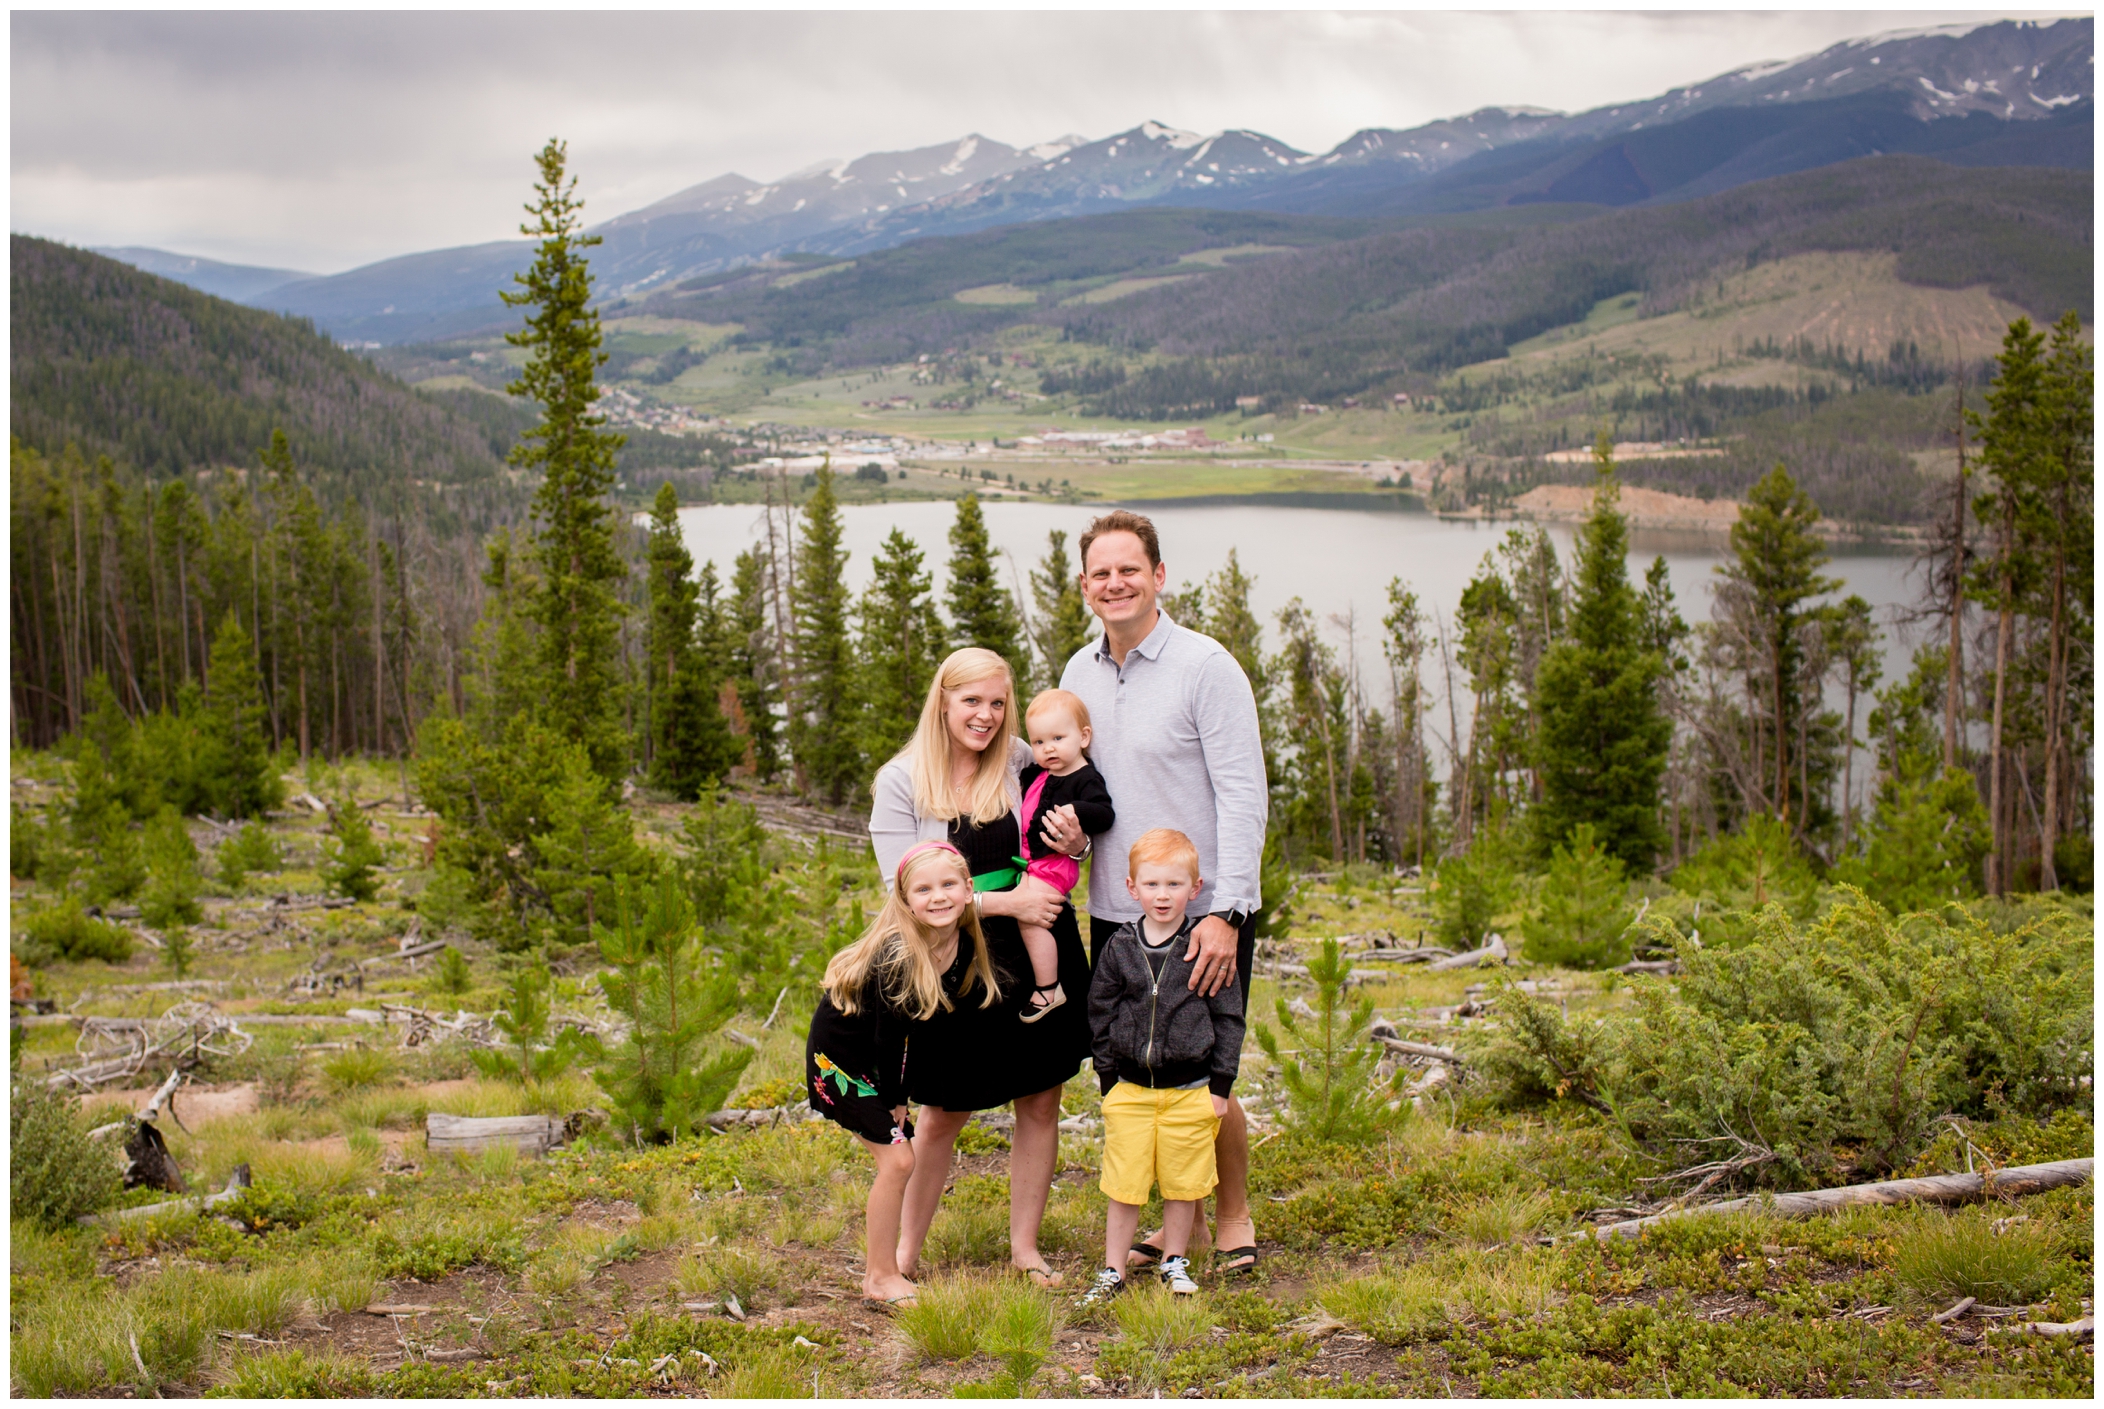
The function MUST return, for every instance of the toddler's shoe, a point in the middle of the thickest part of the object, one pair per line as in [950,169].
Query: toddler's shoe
[1053,996]
[1108,1284]
[1176,1276]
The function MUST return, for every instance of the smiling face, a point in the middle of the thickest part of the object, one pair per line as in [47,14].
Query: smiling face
[973,712]
[1163,888]
[937,893]
[1118,582]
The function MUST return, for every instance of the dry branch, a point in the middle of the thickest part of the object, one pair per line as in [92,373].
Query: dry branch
[1936,1189]
[1492,952]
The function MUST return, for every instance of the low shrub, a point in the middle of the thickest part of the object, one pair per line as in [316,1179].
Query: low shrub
[1944,1256]
[55,1172]
[67,932]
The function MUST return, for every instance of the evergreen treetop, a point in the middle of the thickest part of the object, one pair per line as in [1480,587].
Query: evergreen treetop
[982,613]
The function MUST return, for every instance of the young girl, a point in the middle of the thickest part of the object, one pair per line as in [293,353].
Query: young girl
[1061,776]
[922,953]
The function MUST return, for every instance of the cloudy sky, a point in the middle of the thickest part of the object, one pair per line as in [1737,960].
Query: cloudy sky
[325,141]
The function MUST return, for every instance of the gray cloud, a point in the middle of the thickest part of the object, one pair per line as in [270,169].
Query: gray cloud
[323,141]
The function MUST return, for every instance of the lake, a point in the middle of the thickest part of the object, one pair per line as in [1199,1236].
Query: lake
[1334,560]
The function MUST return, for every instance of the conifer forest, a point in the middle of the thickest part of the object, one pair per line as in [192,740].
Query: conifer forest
[422,870]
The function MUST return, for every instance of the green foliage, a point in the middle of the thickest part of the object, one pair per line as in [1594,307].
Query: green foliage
[236,769]
[900,640]
[28,841]
[691,742]
[173,879]
[248,851]
[982,613]
[1063,624]
[1823,1052]
[350,855]
[1471,890]
[452,974]
[1924,846]
[752,664]
[661,1080]
[823,732]
[357,1069]
[529,1056]
[1276,881]
[587,846]
[1329,1076]
[1582,914]
[66,931]
[1743,873]
[1603,739]
[55,1172]
[574,605]
[1946,1256]
[744,907]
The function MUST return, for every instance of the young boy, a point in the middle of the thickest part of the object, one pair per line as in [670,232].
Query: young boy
[1167,1059]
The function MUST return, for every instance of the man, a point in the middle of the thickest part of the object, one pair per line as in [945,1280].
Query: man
[1176,740]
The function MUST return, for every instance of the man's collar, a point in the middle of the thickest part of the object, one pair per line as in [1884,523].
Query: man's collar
[1150,646]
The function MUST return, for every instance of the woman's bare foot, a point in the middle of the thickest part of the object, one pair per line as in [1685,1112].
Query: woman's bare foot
[892,1290]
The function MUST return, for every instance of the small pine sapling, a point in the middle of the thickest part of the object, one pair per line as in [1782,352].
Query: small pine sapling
[452,974]
[662,1080]
[1471,890]
[1329,1080]
[177,950]
[1582,919]
[529,1057]
[1745,873]
[248,852]
[351,854]
[168,900]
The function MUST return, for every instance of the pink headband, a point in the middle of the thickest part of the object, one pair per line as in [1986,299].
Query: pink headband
[918,848]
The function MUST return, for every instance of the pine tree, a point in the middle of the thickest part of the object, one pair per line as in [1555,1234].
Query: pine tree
[2066,493]
[982,613]
[754,670]
[237,771]
[691,742]
[1775,566]
[173,877]
[1063,625]
[674,602]
[1582,917]
[661,1081]
[580,571]
[585,848]
[351,854]
[1923,846]
[1325,1063]
[824,736]
[901,641]
[1603,743]
[1404,647]
[528,1057]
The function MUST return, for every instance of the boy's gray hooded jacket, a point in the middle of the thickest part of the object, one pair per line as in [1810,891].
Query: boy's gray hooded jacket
[1161,1034]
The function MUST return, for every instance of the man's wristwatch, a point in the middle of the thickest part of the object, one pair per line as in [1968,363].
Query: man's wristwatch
[1235,918]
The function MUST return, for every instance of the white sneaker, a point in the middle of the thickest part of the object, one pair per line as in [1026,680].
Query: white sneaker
[1176,1276]
[1108,1284]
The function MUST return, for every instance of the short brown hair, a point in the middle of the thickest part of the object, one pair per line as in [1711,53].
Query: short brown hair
[1123,521]
[1162,846]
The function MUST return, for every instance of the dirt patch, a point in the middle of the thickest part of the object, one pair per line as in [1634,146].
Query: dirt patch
[1644,508]
[195,1105]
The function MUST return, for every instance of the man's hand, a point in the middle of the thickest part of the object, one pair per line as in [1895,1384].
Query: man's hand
[1064,829]
[1211,955]
[1220,1107]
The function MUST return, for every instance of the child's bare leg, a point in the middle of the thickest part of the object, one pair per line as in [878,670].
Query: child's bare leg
[1124,1221]
[1177,1217]
[1044,954]
[882,1278]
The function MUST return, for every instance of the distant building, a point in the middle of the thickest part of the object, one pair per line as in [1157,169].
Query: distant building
[1248,403]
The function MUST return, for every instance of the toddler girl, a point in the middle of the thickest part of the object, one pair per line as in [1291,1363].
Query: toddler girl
[1061,776]
[923,951]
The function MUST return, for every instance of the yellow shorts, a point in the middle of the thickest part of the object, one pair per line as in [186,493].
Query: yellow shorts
[1153,1135]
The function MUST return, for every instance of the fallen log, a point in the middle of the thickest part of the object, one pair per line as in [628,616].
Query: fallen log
[528,1134]
[1423,1050]
[1649,966]
[1492,952]
[235,1184]
[1936,1189]
[2081,1330]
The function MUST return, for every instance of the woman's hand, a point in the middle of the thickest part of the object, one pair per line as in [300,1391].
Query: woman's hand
[1032,902]
[898,1113]
[1063,829]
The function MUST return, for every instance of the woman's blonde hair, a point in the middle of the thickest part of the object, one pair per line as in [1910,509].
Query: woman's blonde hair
[897,951]
[989,797]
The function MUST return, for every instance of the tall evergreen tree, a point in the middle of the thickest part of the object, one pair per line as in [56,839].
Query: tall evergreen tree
[1063,625]
[238,775]
[1404,647]
[675,599]
[1604,739]
[901,642]
[2067,530]
[823,736]
[691,744]
[754,668]
[580,571]
[1775,565]
[982,613]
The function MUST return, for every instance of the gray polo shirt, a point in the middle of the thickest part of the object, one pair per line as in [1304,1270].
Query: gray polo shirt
[1177,742]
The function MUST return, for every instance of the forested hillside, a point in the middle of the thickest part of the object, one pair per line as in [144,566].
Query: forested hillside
[171,381]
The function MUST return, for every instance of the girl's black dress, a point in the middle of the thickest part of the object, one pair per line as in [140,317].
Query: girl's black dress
[972,1058]
[855,1066]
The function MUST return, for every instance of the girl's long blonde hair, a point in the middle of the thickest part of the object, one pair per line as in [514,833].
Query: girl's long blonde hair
[931,747]
[897,951]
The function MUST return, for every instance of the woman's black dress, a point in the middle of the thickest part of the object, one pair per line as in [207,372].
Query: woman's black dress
[974,1058]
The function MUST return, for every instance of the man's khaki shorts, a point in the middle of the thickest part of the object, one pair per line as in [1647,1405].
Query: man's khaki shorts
[1153,1136]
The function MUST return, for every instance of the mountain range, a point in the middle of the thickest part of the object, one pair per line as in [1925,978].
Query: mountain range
[2005,94]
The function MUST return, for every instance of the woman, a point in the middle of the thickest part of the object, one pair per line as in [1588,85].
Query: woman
[955,782]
